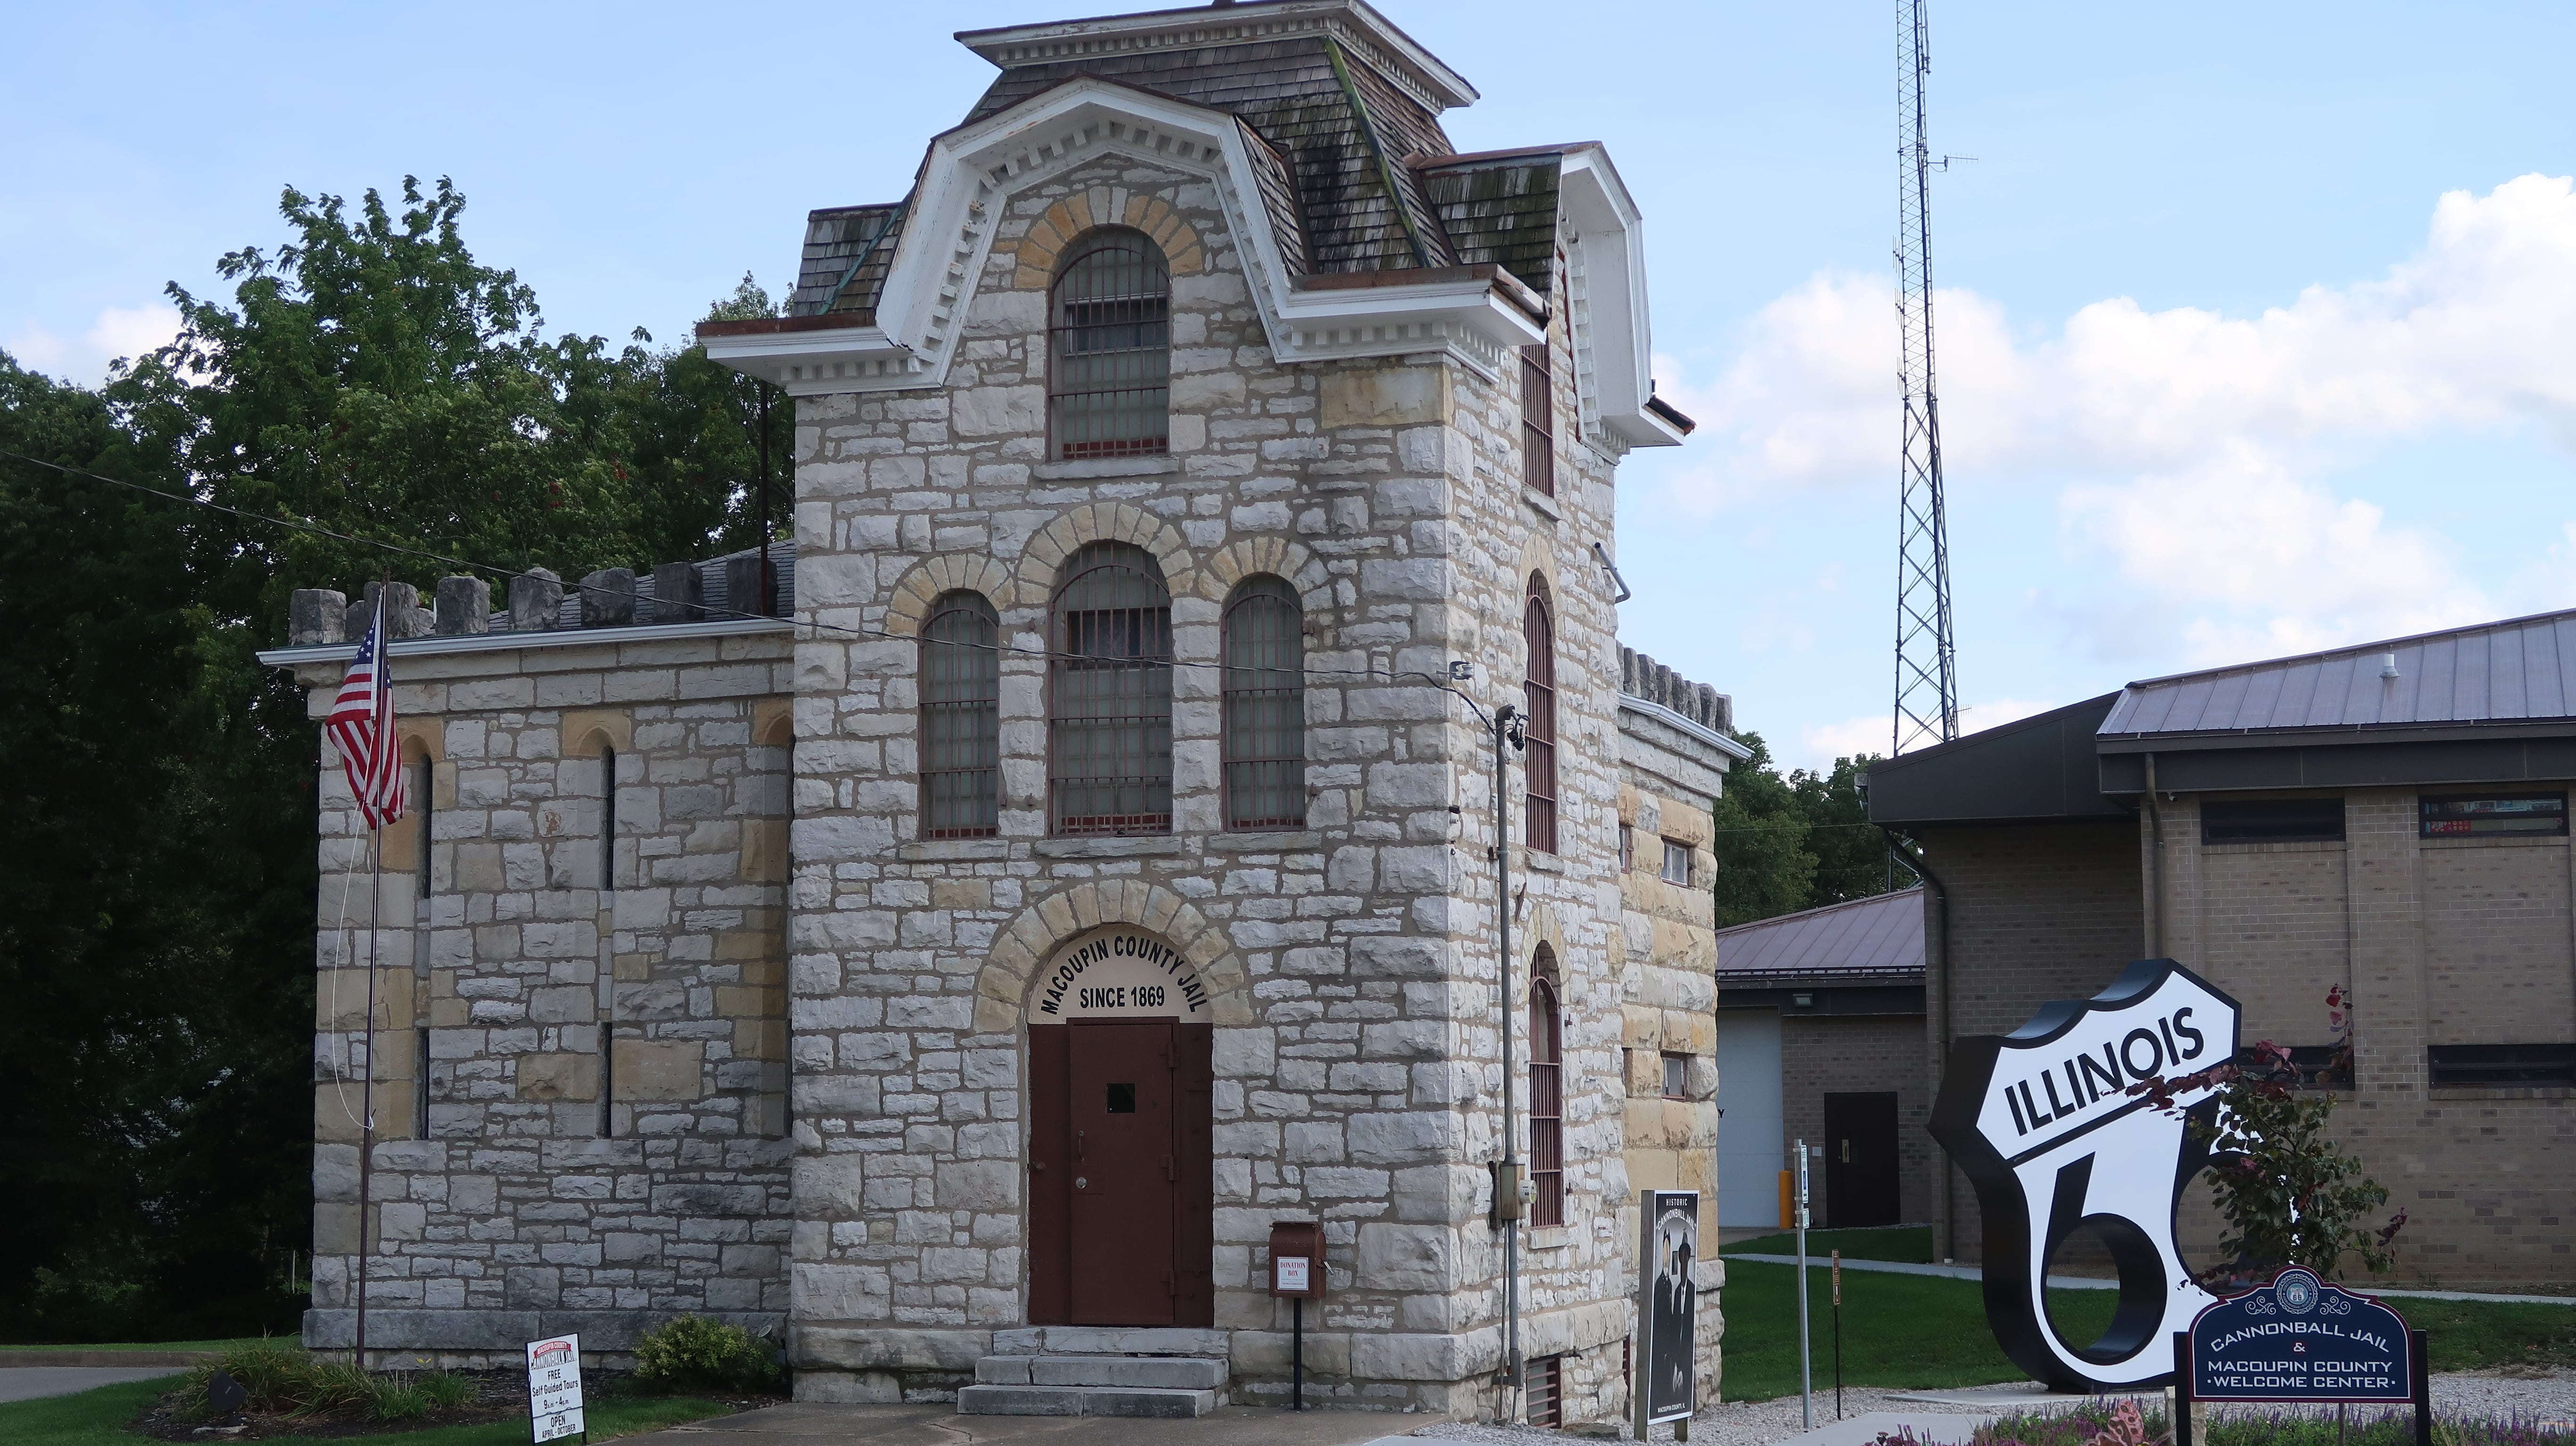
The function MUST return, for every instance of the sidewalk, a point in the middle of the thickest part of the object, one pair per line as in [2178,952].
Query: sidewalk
[940,1425]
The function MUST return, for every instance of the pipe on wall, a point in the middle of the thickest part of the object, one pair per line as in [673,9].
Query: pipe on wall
[1940,1057]
[2155,867]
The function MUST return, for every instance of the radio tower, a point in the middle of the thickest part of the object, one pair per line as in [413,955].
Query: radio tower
[1927,684]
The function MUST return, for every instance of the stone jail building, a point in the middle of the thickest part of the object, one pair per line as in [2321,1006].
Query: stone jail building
[954,945]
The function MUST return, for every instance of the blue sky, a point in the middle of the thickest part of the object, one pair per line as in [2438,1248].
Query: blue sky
[2258,324]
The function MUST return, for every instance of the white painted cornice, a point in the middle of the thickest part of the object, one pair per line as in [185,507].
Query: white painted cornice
[1598,216]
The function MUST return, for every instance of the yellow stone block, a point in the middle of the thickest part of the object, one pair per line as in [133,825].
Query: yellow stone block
[550,1077]
[659,1069]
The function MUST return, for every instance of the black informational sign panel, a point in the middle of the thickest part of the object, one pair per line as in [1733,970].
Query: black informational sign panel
[2300,1339]
[1667,1388]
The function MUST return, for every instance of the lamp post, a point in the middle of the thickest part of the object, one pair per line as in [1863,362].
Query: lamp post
[1510,726]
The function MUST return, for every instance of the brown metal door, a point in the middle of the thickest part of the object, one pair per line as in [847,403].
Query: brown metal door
[1125,1180]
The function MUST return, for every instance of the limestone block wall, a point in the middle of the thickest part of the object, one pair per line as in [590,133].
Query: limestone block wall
[1355,979]
[1666,951]
[538,959]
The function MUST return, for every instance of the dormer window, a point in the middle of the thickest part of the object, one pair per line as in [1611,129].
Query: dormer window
[1109,345]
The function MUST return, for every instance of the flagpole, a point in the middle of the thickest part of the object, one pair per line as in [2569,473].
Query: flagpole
[367,1090]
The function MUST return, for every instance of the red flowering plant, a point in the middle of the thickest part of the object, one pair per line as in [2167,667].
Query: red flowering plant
[2289,1195]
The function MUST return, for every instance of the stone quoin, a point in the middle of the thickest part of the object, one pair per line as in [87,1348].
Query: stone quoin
[955,960]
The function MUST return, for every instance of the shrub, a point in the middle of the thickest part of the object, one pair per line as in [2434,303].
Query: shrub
[691,1352]
[280,1380]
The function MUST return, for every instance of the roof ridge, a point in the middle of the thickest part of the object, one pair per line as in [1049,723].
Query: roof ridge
[2383,645]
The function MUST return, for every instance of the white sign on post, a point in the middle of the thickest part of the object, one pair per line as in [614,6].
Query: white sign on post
[554,1388]
[1293,1274]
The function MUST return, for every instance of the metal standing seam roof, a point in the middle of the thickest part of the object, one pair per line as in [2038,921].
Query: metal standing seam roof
[1877,937]
[2515,671]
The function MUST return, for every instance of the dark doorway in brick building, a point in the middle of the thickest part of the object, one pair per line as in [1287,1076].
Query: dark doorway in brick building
[1121,1174]
[1860,1160]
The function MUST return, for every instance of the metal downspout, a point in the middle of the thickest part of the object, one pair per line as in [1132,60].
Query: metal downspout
[1949,1031]
[2155,867]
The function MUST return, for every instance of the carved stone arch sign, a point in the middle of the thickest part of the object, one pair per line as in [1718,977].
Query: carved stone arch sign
[2043,1124]
[1119,972]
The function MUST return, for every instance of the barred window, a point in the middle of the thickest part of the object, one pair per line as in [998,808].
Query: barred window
[1265,706]
[1109,695]
[961,718]
[1538,697]
[1109,345]
[1538,422]
[1547,1102]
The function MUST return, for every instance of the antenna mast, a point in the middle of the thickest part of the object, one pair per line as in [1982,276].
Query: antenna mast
[1927,685]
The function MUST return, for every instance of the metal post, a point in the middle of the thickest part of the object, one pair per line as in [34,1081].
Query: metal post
[1806,1369]
[1511,1150]
[1297,1353]
[2420,1372]
[367,1086]
[768,584]
[2182,1388]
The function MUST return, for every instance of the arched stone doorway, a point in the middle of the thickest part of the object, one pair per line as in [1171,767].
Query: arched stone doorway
[1122,1205]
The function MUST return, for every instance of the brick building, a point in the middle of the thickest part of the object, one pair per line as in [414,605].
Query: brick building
[2386,822]
[957,946]
[1819,1038]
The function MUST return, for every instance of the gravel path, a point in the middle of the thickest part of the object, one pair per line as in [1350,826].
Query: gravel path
[2548,1396]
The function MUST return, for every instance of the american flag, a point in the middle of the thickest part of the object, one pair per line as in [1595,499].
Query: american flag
[362,728]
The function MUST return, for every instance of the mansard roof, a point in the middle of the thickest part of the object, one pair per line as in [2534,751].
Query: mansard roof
[1363,232]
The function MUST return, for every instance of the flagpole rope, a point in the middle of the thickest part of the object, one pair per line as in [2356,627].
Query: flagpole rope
[874,634]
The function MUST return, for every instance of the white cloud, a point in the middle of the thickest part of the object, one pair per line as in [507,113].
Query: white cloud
[1820,744]
[2189,446]
[119,332]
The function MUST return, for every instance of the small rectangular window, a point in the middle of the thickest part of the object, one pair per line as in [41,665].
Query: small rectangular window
[1677,862]
[420,1084]
[1676,1076]
[2532,815]
[1543,1391]
[1538,422]
[2502,1064]
[2271,820]
[1627,848]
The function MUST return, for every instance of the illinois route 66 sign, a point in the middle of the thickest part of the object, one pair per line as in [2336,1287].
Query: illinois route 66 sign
[2042,1123]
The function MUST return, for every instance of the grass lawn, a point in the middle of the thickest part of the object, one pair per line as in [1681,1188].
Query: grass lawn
[97,1418]
[1898,1330]
[1905,1244]
[1919,1331]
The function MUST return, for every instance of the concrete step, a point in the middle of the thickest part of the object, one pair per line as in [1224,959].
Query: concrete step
[1082,1401]
[1165,1373]
[1111,1341]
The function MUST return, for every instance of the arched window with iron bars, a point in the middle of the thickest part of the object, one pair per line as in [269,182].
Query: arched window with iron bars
[1546,1098]
[1109,348]
[1265,706]
[1109,695]
[1538,699]
[961,718]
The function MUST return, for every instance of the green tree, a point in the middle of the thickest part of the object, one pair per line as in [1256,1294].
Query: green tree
[373,377]
[1799,841]
[1764,867]
[157,881]
[155,901]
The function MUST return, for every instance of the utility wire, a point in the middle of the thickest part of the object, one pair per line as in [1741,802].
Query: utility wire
[317,530]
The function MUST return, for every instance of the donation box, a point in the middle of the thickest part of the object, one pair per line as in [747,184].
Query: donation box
[1297,1259]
